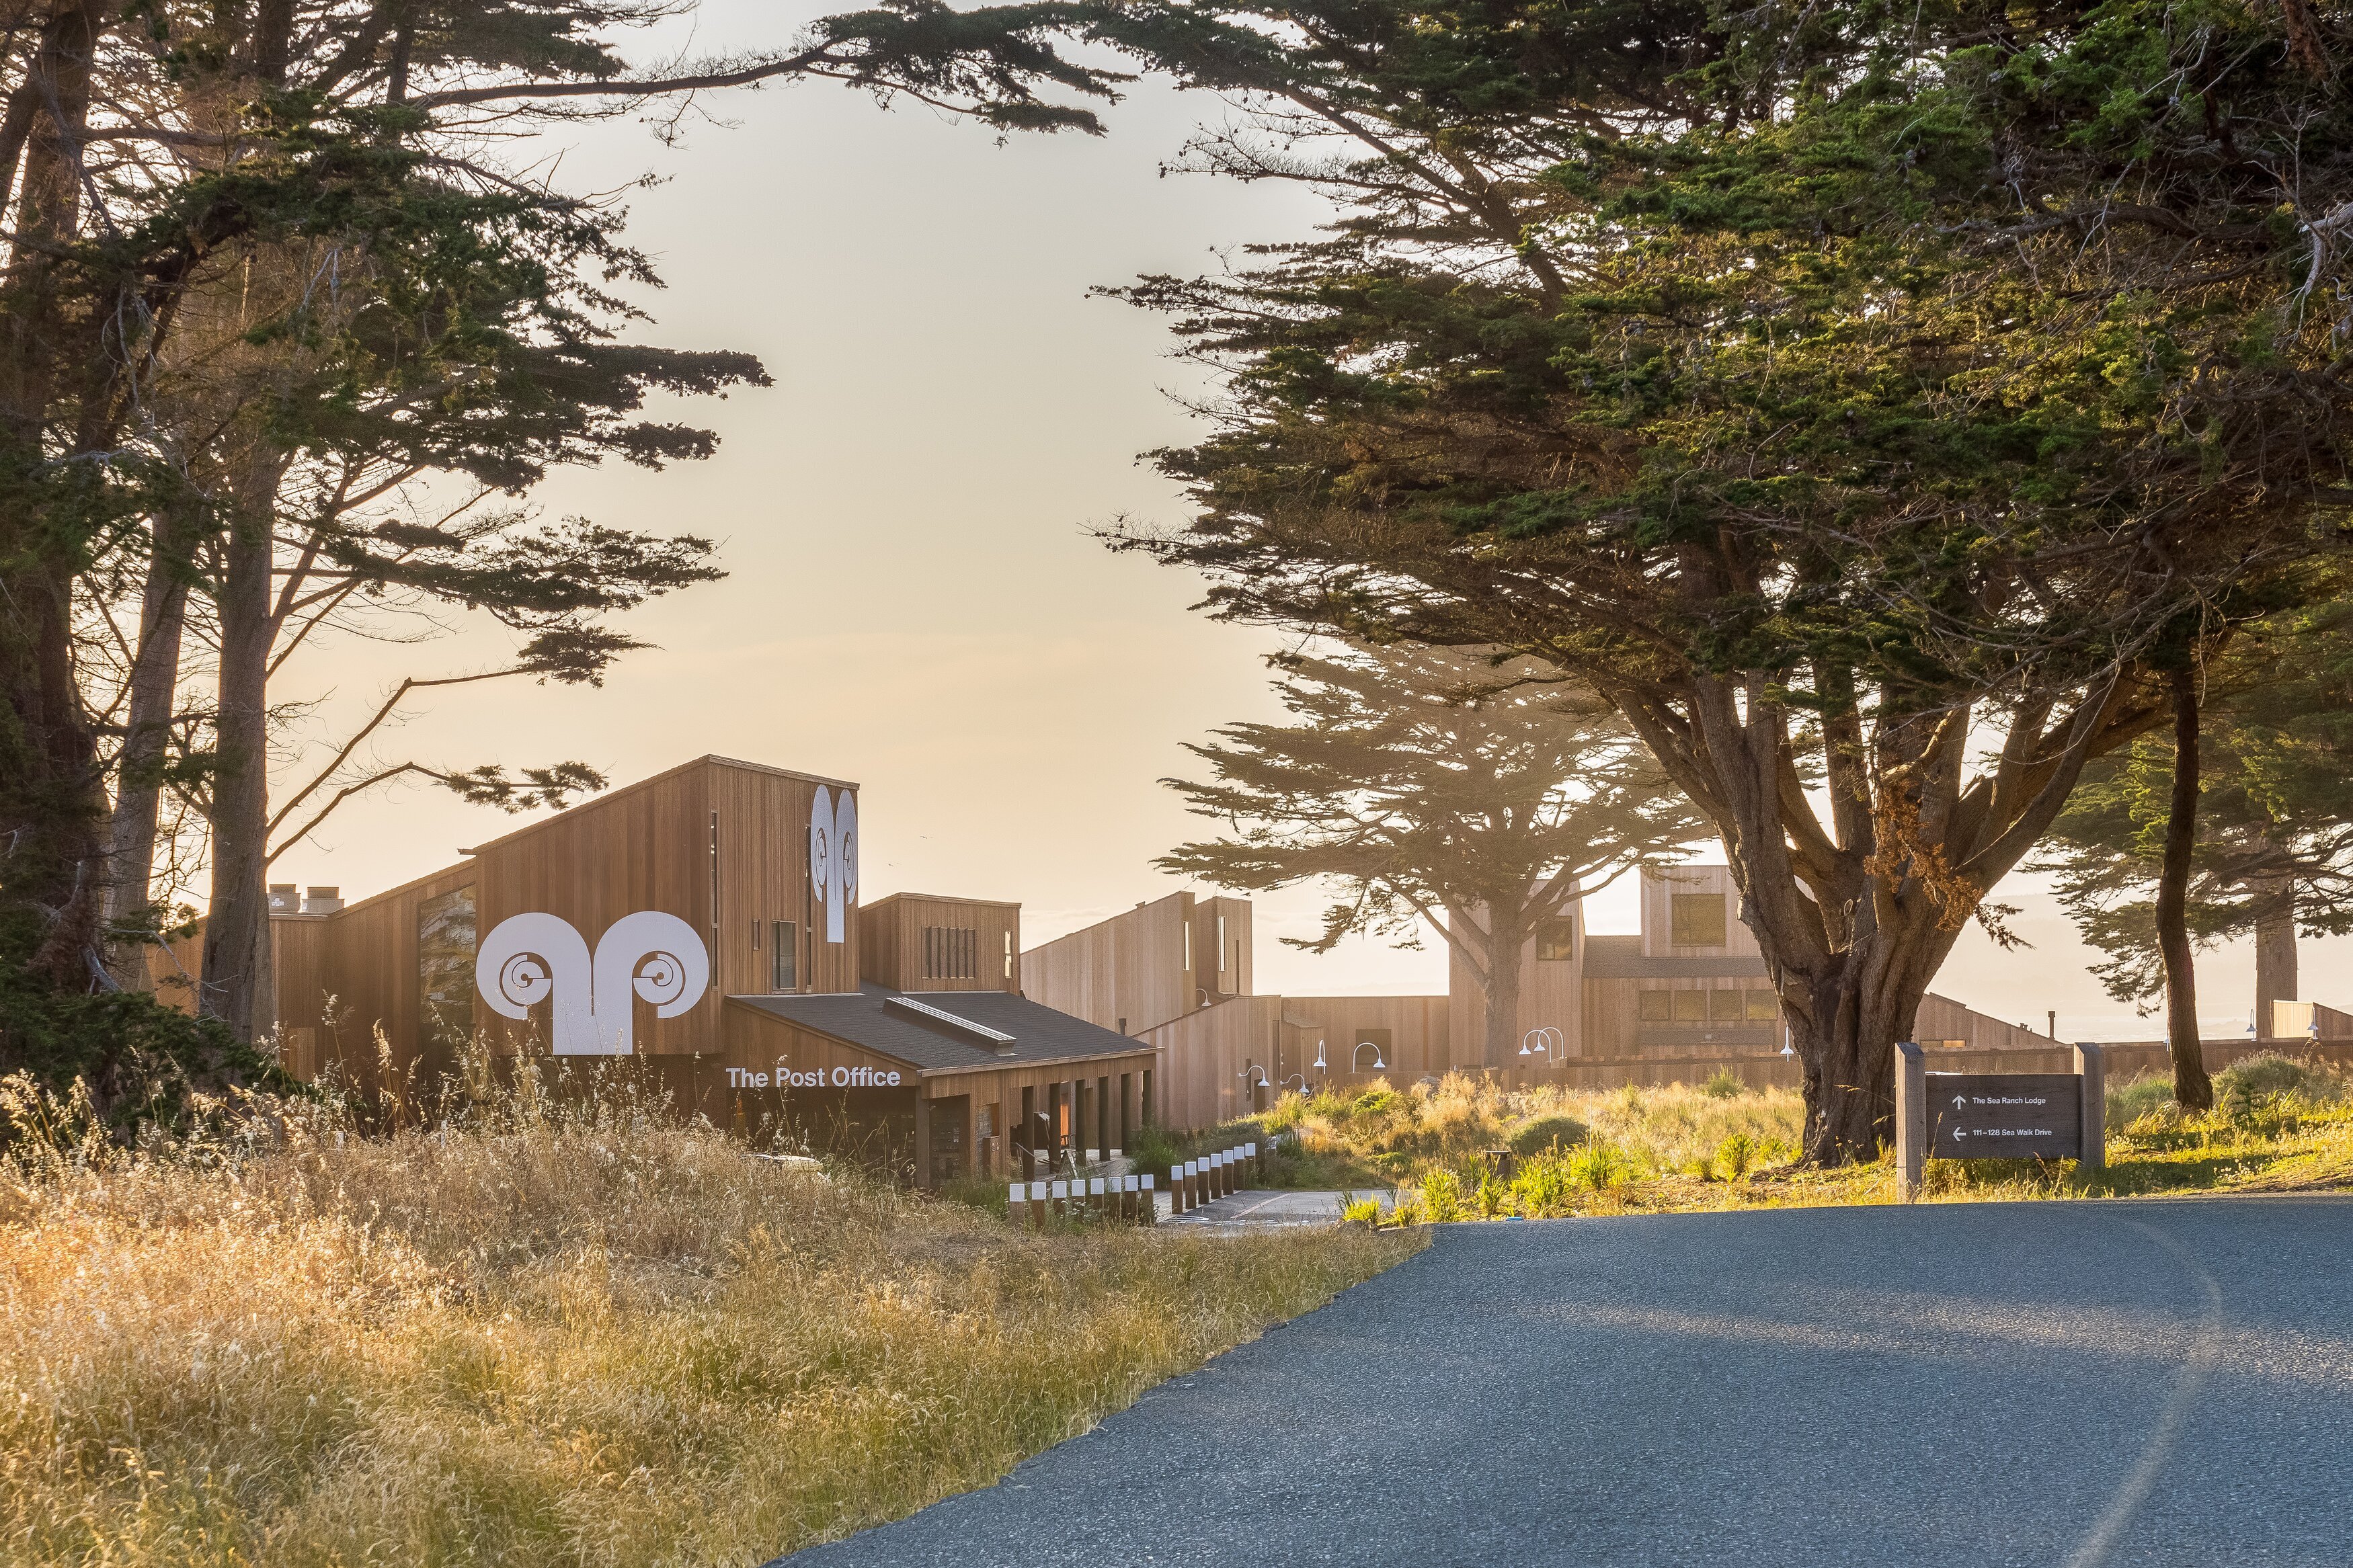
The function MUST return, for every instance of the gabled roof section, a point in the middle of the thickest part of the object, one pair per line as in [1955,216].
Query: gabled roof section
[948,1031]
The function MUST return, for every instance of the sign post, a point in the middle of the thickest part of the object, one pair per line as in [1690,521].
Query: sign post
[1997,1115]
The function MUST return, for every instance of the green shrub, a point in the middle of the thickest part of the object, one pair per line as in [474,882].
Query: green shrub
[2134,1098]
[1408,1210]
[1544,1188]
[1354,1210]
[1441,1196]
[1735,1154]
[1154,1148]
[2271,1075]
[1492,1196]
[1724,1084]
[1377,1102]
[1546,1132]
[1598,1164]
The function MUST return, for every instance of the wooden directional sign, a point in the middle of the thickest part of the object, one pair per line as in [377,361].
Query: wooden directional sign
[2004,1115]
[1997,1115]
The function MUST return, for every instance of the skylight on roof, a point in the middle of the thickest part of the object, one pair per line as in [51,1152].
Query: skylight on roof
[941,1015]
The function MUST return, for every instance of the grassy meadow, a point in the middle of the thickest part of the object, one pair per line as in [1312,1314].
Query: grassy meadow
[585,1335]
[1420,1153]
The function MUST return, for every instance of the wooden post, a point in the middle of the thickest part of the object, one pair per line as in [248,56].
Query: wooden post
[1126,1112]
[1102,1115]
[1017,1204]
[1096,1195]
[1037,1204]
[1147,1206]
[1061,1192]
[1082,1134]
[1145,1120]
[2093,1070]
[1911,1118]
[923,1141]
[1025,1139]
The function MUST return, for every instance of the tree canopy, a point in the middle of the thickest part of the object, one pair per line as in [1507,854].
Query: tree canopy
[1427,786]
[1891,395]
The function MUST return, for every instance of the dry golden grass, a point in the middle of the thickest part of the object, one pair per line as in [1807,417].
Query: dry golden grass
[588,1338]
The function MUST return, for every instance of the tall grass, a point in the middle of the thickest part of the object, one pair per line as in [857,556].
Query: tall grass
[551,1334]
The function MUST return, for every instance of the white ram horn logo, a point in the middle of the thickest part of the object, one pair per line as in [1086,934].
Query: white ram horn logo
[833,856]
[528,958]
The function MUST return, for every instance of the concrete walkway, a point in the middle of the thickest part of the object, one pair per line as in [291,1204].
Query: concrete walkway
[1260,1209]
[2050,1385]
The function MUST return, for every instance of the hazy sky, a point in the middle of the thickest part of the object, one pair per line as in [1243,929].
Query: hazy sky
[914,601]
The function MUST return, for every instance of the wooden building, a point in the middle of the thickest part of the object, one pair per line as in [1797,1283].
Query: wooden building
[706,923]
[1687,995]
[1156,961]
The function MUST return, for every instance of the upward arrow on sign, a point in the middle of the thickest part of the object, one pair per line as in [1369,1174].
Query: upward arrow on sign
[1958,1102]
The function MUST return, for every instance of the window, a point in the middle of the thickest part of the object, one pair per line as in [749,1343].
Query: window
[1557,939]
[1764,1008]
[951,952]
[1698,920]
[1008,955]
[445,967]
[1654,1007]
[784,953]
[1691,1006]
[1726,1006]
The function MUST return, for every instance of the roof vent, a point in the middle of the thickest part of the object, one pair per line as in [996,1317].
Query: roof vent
[981,1033]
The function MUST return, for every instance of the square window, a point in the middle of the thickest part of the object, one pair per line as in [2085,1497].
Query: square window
[1557,939]
[1654,1007]
[1725,1006]
[1764,1008]
[1697,920]
[1691,1006]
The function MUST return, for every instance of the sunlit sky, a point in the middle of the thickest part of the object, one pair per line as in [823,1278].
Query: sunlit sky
[914,601]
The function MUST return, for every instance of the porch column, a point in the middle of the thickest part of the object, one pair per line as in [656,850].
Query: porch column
[922,1139]
[1102,1113]
[1023,1134]
[1126,1112]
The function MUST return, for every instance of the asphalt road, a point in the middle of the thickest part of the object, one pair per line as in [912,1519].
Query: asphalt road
[2061,1385]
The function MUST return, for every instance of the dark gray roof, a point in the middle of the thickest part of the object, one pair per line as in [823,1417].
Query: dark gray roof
[1621,958]
[861,1019]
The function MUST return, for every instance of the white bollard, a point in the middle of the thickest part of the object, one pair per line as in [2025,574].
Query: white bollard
[1017,1205]
[1148,1205]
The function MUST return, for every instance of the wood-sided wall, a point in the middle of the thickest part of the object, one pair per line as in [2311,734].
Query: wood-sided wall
[1411,1033]
[1659,892]
[1552,995]
[1127,973]
[1204,1054]
[721,845]
[891,942]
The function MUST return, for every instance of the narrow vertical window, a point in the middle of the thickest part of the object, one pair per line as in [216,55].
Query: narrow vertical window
[783,948]
[445,968]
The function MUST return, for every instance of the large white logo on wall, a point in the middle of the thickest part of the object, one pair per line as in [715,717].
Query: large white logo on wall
[833,856]
[527,959]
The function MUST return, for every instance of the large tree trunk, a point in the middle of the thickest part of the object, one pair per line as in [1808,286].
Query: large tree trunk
[237,983]
[2191,1087]
[2274,906]
[1507,941]
[51,797]
[154,686]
